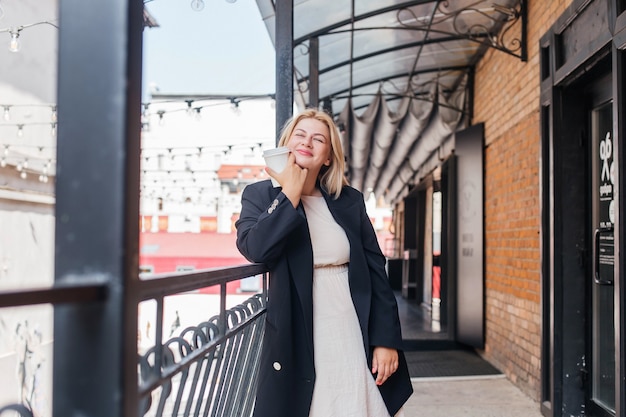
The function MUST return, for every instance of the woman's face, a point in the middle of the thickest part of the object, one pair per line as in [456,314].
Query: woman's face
[310,143]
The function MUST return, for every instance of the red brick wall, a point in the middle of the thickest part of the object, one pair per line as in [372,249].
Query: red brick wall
[507,101]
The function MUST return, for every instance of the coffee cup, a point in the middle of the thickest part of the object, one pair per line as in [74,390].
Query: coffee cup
[277,160]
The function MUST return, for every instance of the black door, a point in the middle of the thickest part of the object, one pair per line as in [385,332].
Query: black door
[601,339]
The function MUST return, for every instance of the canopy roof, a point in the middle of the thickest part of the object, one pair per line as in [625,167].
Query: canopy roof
[396,74]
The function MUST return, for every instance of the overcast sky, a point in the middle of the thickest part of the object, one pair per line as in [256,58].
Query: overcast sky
[222,49]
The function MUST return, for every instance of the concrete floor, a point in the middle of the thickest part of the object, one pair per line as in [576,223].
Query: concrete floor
[484,396]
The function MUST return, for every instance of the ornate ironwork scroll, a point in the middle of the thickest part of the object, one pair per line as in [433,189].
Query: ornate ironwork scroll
[21,410]
[490,25]
[209,369]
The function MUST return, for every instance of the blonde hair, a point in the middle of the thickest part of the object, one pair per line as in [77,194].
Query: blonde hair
[332,177]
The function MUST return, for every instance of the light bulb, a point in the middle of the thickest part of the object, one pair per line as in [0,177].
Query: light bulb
[53,130]
[53,115]
[23,175]
[3,162]
[197,5]
[14,45]
[7,113]
[20,131]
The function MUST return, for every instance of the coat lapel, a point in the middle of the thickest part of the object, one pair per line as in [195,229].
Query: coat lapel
[300,261]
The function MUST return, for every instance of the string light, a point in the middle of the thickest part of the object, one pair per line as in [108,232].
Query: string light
[26,165]
[197,5]
[234,105]
[14,33]
[38,163]
[145,118]
[14,44]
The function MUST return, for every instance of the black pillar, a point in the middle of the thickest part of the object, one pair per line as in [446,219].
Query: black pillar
[97,200]
[284,63]
[314,72]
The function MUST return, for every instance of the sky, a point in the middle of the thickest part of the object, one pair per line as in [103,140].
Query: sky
[222,49]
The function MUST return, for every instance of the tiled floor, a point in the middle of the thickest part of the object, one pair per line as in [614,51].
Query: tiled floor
[482,394]
[487,396]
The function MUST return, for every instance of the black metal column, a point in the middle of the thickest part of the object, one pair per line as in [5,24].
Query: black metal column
[314,72]
[99,97]
[284,63]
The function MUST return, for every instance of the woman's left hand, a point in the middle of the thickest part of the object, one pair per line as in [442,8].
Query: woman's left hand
[384,362]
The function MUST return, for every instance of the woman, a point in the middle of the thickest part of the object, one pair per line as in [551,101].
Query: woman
[332,343]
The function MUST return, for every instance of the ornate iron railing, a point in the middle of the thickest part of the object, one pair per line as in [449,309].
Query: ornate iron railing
[209,369]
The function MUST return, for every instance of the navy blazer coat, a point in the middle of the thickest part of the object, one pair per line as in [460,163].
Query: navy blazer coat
[271,231]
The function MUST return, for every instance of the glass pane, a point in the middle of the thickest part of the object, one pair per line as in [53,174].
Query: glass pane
[28,52]
[26,358]
[603,366]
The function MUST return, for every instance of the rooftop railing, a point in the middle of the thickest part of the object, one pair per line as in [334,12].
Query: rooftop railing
[206,369]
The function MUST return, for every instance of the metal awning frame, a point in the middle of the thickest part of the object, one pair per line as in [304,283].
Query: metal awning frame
[497,38]
[389,145]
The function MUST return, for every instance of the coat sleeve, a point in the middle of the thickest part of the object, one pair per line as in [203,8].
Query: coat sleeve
[384,323]
[265,223]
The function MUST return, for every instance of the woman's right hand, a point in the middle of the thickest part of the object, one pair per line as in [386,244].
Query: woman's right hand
[291,179]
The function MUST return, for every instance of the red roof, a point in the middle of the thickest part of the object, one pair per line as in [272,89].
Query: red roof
[189,245]
[244,172]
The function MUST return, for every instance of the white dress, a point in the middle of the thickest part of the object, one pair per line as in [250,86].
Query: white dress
[344,386]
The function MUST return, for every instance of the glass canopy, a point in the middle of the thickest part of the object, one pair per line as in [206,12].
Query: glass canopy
[395,74]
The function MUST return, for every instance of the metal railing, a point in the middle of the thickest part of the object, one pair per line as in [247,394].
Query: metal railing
[208,369]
